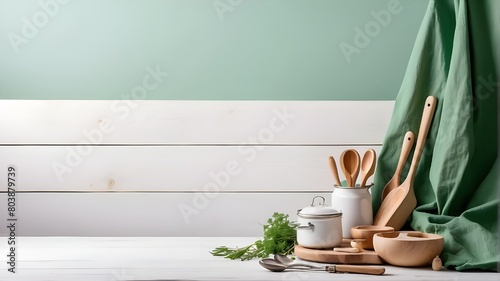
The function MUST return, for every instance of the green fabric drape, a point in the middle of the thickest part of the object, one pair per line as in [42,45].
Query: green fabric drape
[456,184]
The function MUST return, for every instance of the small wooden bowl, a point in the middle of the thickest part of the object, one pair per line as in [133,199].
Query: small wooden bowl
[411,249]
[366,232]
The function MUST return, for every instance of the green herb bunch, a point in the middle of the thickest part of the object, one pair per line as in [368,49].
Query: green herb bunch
[280,237]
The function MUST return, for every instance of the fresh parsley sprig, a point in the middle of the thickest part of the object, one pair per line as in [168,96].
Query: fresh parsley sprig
[280,237]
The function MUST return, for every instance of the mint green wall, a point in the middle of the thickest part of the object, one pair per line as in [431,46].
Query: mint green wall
[252,50]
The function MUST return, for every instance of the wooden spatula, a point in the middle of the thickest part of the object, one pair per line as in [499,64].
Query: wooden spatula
[400,202]
[408,141]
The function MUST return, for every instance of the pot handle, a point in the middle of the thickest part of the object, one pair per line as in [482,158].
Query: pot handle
[308,226]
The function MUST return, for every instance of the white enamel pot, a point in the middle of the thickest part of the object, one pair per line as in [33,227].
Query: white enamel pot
[319,226]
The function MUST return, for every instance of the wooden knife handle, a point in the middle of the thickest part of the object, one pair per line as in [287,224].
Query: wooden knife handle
[363,269]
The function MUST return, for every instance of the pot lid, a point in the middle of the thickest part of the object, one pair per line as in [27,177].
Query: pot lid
[319,210]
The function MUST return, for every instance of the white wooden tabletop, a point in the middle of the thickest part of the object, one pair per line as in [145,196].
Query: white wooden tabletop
[169,258]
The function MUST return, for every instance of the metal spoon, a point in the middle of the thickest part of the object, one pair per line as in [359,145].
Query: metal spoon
[283,259]
[349,162]
[368,165]
[276,266]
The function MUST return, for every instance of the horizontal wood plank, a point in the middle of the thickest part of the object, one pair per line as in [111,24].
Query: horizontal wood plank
[193,122]
[151,214]
[173,168]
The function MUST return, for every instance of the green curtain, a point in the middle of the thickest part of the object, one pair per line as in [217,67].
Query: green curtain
[456,184]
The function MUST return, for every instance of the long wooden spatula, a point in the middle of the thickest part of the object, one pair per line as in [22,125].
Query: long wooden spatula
[401,201]
[408,141]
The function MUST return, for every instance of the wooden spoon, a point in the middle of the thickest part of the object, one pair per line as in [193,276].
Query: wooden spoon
[358,165]
[333,168]
[368,165]
[401,201]
[405,151]
[349,162]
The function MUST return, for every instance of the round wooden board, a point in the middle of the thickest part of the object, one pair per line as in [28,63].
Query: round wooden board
[330,256]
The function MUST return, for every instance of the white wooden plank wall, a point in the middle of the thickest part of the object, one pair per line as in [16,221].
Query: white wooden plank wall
[194,122]
[175,168]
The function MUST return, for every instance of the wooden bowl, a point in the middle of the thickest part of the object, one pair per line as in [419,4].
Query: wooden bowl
[366,232]
[411,249]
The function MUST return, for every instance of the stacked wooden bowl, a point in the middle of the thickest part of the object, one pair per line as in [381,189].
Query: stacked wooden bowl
[411,249]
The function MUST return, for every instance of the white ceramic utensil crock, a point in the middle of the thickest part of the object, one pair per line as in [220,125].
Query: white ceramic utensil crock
[319,226]
[355,203]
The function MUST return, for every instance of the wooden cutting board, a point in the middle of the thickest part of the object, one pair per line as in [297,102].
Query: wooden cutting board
[330,256]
